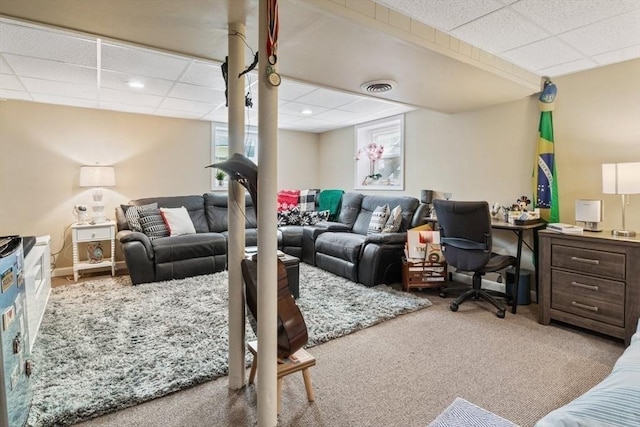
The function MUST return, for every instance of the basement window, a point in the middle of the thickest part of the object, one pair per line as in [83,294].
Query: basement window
[220,148]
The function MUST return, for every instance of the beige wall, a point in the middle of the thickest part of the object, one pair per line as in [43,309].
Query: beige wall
[43,146]
[489,153]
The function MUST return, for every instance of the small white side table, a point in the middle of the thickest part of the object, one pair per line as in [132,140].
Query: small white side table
[86,233]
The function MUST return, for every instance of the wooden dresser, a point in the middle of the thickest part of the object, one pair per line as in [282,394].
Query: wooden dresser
[591,280]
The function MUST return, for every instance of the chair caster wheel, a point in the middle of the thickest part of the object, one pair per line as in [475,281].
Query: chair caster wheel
[454,307]
[443,295]
[500,314]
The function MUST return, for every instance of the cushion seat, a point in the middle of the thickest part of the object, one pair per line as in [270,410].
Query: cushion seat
[177,248]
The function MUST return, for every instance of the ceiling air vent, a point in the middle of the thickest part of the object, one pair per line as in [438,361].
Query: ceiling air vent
[377,86]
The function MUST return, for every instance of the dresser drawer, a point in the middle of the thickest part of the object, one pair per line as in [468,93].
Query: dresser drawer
[586,286]
[94,233]
[590,308]
[602,263]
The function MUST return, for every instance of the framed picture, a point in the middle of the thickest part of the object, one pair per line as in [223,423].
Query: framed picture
[379,155]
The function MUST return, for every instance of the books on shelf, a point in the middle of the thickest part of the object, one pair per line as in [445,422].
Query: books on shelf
[564,228]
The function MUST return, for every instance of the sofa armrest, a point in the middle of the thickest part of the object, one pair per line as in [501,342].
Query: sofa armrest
[127,236]
[387,238]
[333,226]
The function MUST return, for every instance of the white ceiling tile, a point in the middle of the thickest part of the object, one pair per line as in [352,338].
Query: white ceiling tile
[10,82]
[206,74]
[4,67]
[178,113]
[129,97]
[334,115]
[47,87]
[184,105]
[437,13]
[65,100]
[52,70]
[618,55]
[197,93]
[218,115]
[327,98]
[47,44]
[14,94]
[368,105]
[295,108]
[119,81]
[499,31]
[287,119]
[126,107]
[290,90]
[142,62]
[542,54]
[568,68]
[611,34]
[561,16]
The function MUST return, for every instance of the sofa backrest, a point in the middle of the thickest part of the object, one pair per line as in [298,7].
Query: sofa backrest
[349,208]
[370,203]
[194,205]
[217,212]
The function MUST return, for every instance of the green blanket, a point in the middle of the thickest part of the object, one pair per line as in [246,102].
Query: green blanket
[329,200]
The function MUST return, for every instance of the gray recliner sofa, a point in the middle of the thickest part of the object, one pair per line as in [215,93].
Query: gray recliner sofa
[343,247]
[177,257]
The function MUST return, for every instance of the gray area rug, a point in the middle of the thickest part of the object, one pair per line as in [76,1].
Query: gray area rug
[465,414]
[105,345]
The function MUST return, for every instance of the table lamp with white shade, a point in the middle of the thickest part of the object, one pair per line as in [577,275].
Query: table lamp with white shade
[97,177]
[623,179]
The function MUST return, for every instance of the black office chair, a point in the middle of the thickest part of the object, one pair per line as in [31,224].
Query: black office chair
[465,239]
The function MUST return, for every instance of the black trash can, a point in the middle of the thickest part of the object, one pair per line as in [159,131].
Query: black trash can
[524,296]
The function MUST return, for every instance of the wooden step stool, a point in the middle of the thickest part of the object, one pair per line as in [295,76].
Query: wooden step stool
[298,361]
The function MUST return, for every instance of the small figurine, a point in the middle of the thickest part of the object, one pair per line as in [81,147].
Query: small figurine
[523,201]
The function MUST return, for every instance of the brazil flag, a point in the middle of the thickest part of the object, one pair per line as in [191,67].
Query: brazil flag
[544,175]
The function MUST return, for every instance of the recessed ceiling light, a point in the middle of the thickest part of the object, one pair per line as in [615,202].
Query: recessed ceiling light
[136,85]
[376,86]
[306,111]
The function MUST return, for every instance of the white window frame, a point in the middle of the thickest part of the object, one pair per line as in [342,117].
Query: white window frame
[220,149]
[388,133]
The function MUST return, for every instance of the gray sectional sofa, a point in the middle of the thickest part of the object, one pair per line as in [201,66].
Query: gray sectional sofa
[341,247]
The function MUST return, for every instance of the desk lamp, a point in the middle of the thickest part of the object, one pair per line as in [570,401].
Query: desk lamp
[97,177]
[623,179]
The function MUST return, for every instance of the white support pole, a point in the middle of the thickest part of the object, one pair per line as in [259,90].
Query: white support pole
[236,245]
[267,240]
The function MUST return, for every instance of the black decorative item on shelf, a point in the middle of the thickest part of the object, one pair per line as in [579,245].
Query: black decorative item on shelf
[426,196]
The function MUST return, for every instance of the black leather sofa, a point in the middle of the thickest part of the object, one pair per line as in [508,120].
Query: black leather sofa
[345,249]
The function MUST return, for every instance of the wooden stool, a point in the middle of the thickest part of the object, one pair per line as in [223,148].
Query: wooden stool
[298,361]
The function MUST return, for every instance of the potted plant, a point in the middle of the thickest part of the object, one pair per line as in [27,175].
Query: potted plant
[220,177]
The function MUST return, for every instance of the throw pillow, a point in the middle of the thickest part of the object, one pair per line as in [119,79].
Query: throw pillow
[289,217]
[152,224]
[312,218]
[307,200]
[394,221]
[378,219]
[132,214]
[288,199]
[178,221]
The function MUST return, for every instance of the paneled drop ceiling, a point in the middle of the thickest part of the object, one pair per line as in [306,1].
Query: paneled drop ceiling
[446,55]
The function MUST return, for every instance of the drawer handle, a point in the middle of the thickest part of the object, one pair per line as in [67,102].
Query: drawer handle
[586,307]
[584,285]
[585,260]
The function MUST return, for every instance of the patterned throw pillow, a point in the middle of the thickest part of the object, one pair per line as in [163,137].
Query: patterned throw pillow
[307,200]
[132,214]
[152,224]
[394,222]
[313,217]
[378,219]
[288,199]
[289,217]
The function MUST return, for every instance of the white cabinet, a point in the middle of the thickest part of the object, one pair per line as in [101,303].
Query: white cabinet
[88,233]
[38,284]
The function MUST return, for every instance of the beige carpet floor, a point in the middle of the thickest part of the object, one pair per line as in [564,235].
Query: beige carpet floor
[406,371]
